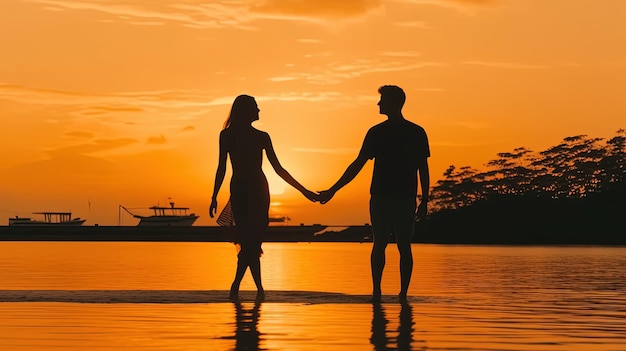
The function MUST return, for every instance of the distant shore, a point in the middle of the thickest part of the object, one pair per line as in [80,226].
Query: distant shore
[430,232]
[302,233]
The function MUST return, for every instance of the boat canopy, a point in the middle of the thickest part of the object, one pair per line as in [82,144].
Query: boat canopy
[169,211]
[51,217]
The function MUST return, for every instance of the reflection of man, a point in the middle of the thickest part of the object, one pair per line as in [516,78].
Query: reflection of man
[400,151]
[382,337]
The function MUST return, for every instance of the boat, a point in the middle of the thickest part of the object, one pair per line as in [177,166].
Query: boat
[164,216]
[279,219]
[56,219]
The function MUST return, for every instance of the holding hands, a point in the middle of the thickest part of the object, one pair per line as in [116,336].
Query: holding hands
[321,196]
[325,196]
[310,195]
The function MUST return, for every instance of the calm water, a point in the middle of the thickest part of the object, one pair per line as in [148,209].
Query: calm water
[172,296]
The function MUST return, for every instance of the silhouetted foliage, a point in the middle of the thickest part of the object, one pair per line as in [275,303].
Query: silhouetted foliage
[577,167]
[571,193]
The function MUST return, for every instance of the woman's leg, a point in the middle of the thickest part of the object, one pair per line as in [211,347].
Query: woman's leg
[255,269]
[242,265]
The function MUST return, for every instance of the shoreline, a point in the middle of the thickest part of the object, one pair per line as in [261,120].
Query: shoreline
[281,234]
[301,233]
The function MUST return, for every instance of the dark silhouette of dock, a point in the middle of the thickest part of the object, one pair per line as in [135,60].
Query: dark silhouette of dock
[286,233]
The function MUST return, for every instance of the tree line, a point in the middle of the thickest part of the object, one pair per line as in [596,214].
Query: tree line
[568,193]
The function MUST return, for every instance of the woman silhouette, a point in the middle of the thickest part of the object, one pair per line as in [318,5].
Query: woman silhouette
[249,191]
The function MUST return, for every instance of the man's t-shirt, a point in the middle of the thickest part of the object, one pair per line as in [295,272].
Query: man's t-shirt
[397,147]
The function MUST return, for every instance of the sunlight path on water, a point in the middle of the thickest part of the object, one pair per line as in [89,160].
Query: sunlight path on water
[173,296]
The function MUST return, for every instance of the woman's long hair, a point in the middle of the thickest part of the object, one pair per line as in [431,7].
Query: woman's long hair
[240,113]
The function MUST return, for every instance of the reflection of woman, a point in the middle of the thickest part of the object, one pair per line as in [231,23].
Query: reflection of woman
[247,320]
[248,186]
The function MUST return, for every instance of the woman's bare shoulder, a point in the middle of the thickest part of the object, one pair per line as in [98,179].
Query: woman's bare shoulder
[263,135]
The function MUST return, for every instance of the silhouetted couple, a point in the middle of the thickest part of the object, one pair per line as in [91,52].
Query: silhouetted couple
[400,151]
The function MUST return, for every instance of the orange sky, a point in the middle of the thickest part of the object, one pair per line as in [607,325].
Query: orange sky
[109,102]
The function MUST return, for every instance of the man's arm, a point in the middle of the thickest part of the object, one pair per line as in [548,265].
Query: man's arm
[353,169]
[424,179]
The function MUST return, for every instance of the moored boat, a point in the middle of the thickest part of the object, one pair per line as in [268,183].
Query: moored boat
[284,220]
[49,219]
[163,216]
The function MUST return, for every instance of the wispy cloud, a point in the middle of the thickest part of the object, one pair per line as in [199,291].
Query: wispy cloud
[112,102]
[240,14]
[508,65]
[80,134]
[193,14]
[316,9]
[143,101]
[465,6]
[337,72]
[121,113]
[302,96]
[71,162]
[100,110]
[400,53]
[158,140]
[282,79]
[413,24]
[215,14]
[95,146]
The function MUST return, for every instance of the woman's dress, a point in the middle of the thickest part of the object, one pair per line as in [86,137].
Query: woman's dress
[249,191]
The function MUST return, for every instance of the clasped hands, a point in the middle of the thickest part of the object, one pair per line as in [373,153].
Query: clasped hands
[321,196]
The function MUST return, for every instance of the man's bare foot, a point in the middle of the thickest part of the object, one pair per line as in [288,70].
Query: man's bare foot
[260,295]
[402,297]
[376,296]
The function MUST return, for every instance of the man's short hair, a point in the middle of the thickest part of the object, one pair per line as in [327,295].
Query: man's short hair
[394,93]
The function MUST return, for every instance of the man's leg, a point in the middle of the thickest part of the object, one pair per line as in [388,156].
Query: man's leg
[404,227]
[406,264]
[377,261]
[380,231]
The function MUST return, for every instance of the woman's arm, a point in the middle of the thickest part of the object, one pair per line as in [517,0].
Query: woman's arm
[282,172]
[219,176]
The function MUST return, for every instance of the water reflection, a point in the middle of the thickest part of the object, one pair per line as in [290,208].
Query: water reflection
[383,337]
[98,296]
[247,335]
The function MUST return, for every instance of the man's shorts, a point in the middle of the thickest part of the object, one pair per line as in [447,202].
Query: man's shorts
[393,215]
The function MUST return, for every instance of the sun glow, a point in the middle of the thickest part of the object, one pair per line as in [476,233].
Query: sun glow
[276,183]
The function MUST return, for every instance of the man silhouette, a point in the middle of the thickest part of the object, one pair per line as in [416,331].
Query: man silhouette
[400,151]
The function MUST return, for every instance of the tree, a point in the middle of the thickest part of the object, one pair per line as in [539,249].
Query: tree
[575,168]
